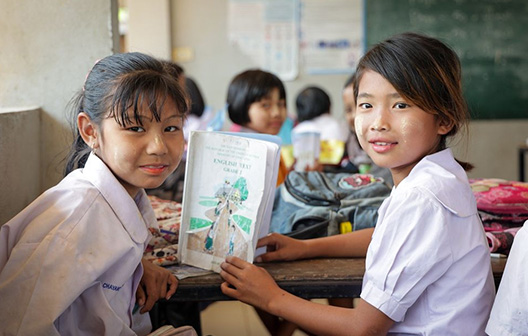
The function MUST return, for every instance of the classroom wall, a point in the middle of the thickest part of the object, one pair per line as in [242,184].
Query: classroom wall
[46,50]
[202,26]
[20,163]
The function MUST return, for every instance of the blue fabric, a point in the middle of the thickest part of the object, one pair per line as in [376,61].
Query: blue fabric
[307,198]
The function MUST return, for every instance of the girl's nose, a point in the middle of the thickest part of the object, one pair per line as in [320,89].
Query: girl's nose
[275,110]
[380,123]
[157,145]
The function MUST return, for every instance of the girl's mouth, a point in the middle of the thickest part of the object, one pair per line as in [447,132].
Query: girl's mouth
[382,146]
[154,169]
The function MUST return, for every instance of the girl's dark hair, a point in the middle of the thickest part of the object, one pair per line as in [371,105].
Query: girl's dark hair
[197,101]
[248,87]
[117,84]
[312,102]
[425,71]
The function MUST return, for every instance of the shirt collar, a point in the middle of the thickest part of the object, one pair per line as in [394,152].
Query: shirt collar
[446,180]
[136,215]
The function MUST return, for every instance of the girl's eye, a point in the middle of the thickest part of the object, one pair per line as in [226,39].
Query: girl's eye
[364,105]
[137,129]
[401,105]
[266,105]
[172,129]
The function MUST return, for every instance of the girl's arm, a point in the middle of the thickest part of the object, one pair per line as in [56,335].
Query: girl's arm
[280,247]
[253,285]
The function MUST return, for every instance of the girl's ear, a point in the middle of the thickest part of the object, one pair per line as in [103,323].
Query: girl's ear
[445,126]
[87,130]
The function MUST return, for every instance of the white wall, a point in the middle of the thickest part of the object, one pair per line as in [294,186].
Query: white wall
[149,27]
[202,25]
[46,50]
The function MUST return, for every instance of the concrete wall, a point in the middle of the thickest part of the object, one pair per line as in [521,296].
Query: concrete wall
[202,26]
[20,163]
[46,50]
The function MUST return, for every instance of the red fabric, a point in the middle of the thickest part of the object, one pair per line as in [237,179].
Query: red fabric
[501,196]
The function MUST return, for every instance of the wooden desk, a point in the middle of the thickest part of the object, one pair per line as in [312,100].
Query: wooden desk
[309,279]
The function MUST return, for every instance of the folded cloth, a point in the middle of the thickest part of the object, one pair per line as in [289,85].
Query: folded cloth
[162,248]
[498,196]
[501,241]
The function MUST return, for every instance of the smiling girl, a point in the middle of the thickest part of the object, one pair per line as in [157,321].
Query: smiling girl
[70,263]
[427,264]
[256,101]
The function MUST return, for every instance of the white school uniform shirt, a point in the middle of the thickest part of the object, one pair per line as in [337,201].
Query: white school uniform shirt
[428,265]
[509,315]
[325,124]
[70,262]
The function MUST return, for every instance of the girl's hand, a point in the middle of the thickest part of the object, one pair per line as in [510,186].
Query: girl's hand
[248,283]
[156,283]
[280,247]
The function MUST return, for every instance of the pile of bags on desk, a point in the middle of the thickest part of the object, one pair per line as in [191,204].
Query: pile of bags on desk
[314,204]
[503,208]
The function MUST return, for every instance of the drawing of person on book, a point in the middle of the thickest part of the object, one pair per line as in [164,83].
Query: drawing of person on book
[223,235]
[212,229]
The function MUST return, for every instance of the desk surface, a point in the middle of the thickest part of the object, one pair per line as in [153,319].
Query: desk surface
[313,278]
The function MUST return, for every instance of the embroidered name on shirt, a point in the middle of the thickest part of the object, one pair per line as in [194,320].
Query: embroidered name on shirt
[111,287]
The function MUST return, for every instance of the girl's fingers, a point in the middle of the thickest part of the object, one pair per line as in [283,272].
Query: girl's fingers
[235,261]
[271,239]
[163,288]
[230,270]
[173,285]
[269,256]
[228,290]
[140,296]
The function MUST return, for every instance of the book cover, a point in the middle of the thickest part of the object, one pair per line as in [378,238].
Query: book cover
[227,198]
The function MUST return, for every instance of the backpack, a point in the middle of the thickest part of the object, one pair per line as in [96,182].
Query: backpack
[314,204]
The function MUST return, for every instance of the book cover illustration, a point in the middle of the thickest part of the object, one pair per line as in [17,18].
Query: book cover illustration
[223,192]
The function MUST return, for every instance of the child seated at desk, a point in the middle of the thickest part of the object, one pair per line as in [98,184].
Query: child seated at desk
[427,262]
[71,262]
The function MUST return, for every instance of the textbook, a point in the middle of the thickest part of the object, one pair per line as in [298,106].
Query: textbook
[230,181]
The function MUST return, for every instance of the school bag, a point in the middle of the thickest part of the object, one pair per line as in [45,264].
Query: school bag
[315,204]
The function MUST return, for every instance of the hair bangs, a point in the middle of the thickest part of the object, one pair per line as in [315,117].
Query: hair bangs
[144,91]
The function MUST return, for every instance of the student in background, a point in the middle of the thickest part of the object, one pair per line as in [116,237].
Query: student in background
[256,101]
[427,263]
[356,159]
[71,262]
[313,115]
[509,315]
[193,120]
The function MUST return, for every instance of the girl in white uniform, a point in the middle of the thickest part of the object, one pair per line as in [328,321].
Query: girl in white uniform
[70,263]
[427,266]
[509,315]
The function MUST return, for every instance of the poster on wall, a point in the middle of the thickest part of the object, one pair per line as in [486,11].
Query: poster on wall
[331,35]
[267,31]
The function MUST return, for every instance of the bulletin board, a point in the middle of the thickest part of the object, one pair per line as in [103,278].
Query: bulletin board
[490,37]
